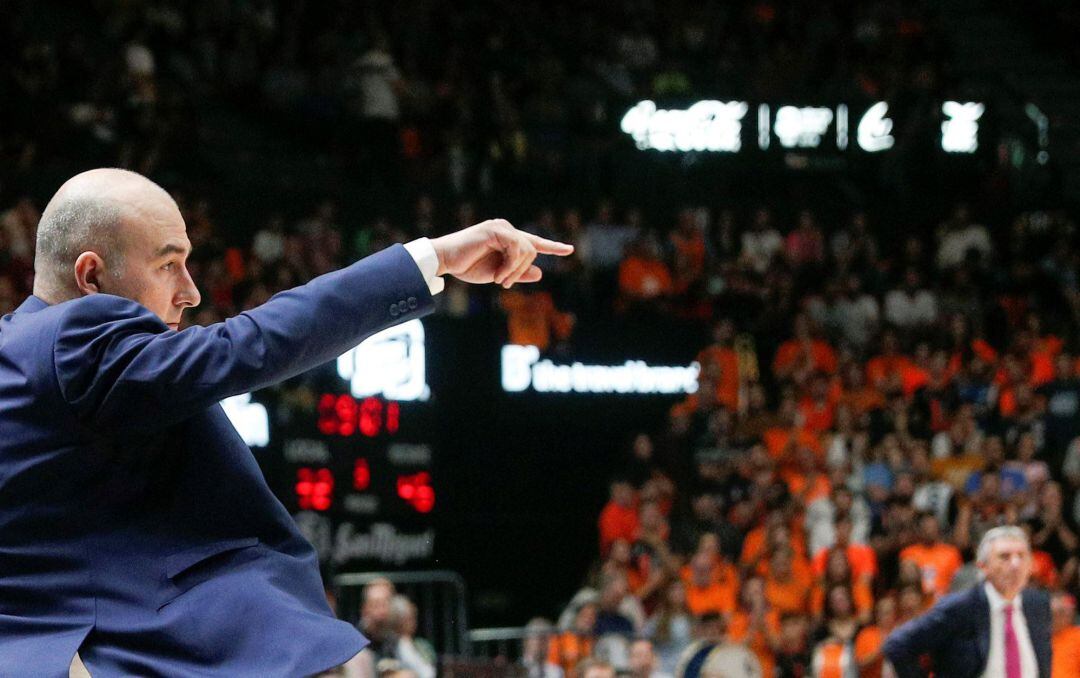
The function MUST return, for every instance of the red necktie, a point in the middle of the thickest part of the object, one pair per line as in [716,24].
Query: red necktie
[1012,646]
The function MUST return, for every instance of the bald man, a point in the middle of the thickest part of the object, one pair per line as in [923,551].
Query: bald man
[135,526]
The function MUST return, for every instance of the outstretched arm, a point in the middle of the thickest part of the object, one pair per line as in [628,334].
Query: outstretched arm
[120,367]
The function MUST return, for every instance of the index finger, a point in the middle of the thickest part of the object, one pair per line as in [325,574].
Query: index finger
[545,246]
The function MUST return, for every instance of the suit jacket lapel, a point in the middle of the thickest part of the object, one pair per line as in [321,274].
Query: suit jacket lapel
[981,610]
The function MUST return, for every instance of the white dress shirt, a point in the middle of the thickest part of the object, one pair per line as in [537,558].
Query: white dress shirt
[995,662]
[423,253]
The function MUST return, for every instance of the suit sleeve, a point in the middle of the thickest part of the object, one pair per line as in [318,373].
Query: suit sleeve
[120,367]
[923,635]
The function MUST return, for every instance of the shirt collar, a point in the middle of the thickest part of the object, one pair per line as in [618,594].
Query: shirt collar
[997,601]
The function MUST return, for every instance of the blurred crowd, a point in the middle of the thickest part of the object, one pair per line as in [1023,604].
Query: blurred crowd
[468,98]
[822,487]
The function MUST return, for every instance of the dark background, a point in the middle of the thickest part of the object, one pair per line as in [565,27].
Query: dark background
[523,476]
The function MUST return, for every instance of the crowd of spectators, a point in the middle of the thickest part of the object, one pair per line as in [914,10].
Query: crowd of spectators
[815,493]
[466,98]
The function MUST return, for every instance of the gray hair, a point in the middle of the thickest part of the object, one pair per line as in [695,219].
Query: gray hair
[72,225]
[996,533]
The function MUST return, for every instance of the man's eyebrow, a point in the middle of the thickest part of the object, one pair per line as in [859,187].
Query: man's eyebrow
[170,248]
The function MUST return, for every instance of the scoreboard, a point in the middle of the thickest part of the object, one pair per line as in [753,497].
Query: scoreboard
[354,459]
[353,466]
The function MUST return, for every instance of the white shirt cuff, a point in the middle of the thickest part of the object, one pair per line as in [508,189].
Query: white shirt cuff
[423,253]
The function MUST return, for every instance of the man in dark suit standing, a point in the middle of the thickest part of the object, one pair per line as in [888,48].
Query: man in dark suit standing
[135,526]
[998,629]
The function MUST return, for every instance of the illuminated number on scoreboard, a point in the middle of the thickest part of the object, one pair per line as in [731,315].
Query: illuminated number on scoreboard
[345,410]
[393,417]
[370,417]
[416,489]
[343,415]
[314,488]
[361,475]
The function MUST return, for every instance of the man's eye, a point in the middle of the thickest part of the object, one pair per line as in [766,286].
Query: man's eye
[168,266]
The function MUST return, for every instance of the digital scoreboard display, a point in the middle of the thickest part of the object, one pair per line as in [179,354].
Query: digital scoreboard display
[353,457]
[356,474]
[353,466]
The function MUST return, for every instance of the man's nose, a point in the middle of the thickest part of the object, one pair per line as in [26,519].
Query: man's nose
[188,295]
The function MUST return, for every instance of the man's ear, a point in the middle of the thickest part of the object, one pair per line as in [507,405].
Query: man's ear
[89,269]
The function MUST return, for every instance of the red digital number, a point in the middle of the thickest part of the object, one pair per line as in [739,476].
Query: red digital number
[328,423]
[393,416]
[371,417]
[417,491]
[342,415]
[346,410]
[361,475]
[314,488]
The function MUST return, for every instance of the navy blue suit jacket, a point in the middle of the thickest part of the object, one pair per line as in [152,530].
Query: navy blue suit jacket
[134,521]
[956,635]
